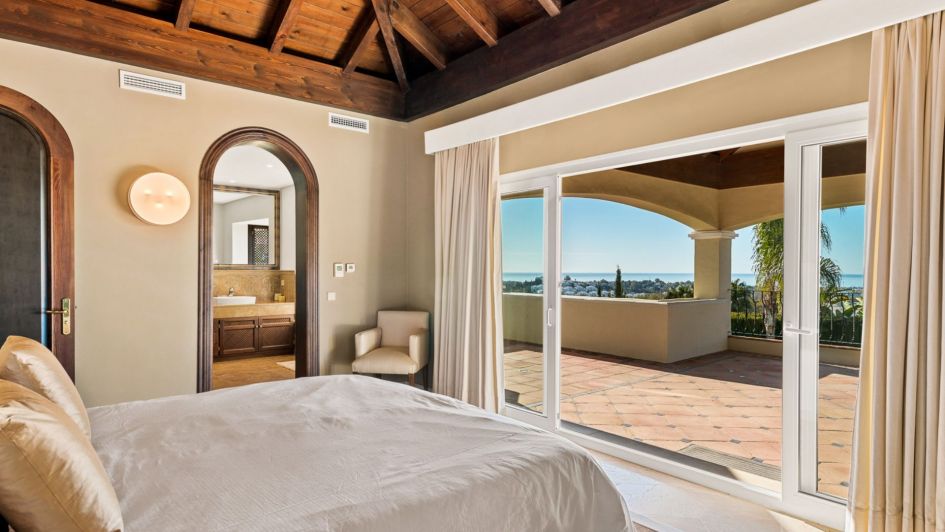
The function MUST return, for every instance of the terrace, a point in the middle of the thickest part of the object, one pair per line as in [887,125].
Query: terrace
[722,408]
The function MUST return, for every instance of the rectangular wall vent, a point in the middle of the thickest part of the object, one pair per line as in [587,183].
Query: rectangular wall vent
[349,122]
[152,85]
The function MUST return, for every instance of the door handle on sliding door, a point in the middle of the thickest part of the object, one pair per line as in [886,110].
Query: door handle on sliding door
[793,330]
[549,316]
[66,313]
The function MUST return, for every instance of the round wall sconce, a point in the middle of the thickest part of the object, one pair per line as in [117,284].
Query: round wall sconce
[158,198]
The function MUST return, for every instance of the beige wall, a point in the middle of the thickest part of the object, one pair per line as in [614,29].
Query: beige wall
[136,291]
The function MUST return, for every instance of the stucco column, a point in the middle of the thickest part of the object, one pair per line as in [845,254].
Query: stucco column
[713,263]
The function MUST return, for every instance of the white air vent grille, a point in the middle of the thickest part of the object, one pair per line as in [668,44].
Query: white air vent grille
[152,85]
[349,122]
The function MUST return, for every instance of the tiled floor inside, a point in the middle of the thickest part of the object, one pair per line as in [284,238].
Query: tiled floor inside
[724,407]
[242,371]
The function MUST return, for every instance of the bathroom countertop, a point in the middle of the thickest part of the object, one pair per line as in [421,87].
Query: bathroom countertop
[259,309]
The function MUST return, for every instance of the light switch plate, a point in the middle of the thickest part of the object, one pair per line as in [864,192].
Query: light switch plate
[339,269]
[332,296]
[349,267]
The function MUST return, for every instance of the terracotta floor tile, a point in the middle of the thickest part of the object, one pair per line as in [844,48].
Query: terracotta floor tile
[599,418]
[595,407]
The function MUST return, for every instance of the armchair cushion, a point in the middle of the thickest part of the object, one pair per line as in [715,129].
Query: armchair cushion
[387,360]
[367,341]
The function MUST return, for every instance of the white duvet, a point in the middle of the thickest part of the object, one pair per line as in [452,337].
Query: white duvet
[344,453]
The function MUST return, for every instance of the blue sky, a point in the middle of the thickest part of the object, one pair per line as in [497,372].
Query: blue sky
[598,235]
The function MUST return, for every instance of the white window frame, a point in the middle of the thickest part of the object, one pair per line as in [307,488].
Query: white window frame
[790,499]
[802,198]
[548,418]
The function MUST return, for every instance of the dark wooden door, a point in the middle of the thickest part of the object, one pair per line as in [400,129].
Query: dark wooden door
[36,227]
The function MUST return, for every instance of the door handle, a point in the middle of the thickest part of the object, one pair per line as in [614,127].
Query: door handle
[549,316]
[794,330]
[66,315]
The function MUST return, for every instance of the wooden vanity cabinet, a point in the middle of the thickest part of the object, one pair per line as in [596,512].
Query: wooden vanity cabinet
[261,335]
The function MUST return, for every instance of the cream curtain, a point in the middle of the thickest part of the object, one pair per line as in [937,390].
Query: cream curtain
[467,323]
[898,478]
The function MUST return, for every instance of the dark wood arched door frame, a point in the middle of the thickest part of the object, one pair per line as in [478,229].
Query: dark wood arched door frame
[59,167]
[306,245]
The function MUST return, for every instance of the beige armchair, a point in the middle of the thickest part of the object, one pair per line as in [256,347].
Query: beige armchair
[397,346]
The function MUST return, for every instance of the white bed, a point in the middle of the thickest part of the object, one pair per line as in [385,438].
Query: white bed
[344,453]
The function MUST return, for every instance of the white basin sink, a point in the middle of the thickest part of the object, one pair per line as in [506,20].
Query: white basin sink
[221,301]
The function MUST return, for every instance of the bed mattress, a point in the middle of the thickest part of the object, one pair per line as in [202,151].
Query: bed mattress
[346,453]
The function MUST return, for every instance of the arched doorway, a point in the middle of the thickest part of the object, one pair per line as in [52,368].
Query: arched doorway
[306,243]
[38,256]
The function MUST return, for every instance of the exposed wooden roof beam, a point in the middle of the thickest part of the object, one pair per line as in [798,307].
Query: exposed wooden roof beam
[584,27]
[385,22]
[416,33]
[360,40]
[97,30]
[479,17]
[552,7]
[184,13]
[282,24]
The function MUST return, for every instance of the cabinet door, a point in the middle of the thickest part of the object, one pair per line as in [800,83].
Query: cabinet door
[238,336]
[277,334]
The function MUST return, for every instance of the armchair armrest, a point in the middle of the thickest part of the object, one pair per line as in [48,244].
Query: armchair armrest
[366,341]
[419,346]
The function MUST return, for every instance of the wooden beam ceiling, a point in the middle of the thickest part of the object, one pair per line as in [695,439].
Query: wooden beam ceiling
[282,23]
[415,32]
[384,20]
[479,17]
[736,169]
[364,34]
[312,51]
[585,26]
[552,7]
[102,31]
[184,13]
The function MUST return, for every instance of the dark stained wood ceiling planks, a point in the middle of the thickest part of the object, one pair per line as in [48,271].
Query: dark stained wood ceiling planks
[417,57]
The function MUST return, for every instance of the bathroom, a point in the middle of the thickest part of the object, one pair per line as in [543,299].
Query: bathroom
[253,278]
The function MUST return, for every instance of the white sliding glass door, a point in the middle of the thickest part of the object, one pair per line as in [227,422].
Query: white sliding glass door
[825,229]
[529,305]
[697,306]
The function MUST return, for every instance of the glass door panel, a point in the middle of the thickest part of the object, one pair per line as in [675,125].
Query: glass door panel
[840,313]
[523,294]
[828,318]
[528,304]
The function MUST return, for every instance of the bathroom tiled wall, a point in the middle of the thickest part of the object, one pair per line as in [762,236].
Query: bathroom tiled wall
[260,283]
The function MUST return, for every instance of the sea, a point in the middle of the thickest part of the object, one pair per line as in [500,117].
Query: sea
[852,280]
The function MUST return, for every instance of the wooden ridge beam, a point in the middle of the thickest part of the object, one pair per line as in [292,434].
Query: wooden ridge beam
[282,24]
[385,22]
[552,7]
[359,42]
[185,11]
[479,17]
[101,31]
[416,33]
[582,28]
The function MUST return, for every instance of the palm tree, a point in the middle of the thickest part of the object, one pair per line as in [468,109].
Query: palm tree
[768,262]
[740,296]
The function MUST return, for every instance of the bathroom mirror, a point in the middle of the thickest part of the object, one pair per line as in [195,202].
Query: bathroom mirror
[245,228]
